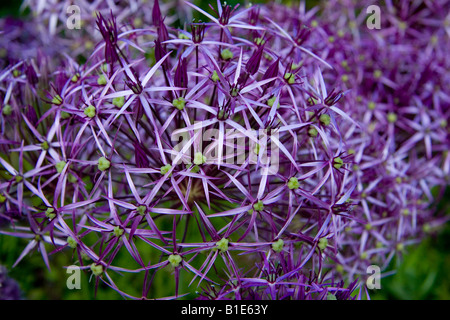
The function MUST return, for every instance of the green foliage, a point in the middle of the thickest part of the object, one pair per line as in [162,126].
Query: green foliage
[422,273]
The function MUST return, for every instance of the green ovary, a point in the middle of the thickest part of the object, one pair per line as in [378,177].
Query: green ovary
[101,80]
[96,269]
[90,111]
[259,206]
[179,103]
[165,169]
[175,260]
[103,164]
[199,158]
[338,163]
[222,245]
[60,166]
[226,54]
[119,101]
[277,246]
[293,183]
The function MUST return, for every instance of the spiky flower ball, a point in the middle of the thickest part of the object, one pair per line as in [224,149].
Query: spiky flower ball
[263,154]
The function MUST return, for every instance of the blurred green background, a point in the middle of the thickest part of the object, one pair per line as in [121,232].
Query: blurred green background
[422,272]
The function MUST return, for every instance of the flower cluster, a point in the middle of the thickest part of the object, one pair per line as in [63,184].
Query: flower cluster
[268,153]
[398,77]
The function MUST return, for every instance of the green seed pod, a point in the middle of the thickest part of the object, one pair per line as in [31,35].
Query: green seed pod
[103,164]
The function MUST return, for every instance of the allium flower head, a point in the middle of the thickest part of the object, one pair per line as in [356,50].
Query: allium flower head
[269,153]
